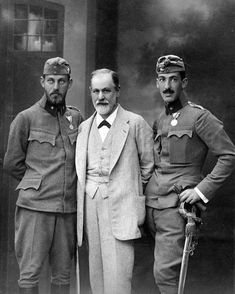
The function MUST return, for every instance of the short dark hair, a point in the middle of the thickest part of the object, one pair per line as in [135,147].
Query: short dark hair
[114,75]
[182,75]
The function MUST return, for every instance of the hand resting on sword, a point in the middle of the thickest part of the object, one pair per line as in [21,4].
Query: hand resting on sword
[189,196]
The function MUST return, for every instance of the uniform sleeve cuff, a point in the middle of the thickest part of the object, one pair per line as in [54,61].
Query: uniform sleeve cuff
[204,199]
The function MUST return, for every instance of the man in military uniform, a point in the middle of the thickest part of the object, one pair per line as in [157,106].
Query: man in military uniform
[40,154]
[183,134]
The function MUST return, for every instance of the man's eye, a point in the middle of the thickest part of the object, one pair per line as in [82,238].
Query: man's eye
[62,82]
[106,91]
[96,92]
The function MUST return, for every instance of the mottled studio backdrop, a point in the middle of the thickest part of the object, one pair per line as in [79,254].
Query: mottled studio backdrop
[127,35]
[202,32]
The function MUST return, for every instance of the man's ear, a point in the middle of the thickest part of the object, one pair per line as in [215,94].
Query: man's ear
[184,83]
[118,92]
[42,81]
[157,83]
[70,82]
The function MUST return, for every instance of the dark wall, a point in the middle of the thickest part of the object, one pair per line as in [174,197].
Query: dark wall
[102,34]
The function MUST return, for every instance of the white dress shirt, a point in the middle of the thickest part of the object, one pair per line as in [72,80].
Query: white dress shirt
[104,129]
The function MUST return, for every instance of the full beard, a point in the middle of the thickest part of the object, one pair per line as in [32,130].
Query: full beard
[102,109]
[55,98]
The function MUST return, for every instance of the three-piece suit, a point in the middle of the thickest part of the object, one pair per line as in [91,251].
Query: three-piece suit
[112,176]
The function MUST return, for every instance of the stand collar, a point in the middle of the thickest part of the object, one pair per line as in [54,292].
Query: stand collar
[51,108]
[176,105]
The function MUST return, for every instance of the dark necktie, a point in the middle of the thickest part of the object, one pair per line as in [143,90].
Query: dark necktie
[104,123]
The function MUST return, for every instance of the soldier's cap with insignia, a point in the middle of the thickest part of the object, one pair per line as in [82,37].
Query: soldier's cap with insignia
[56,66]
[169,63]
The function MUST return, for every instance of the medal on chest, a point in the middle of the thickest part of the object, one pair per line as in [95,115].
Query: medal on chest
[174,121]
[70,119]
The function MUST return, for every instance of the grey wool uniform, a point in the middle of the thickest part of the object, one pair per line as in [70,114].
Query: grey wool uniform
[40,155]
[180,153]
[183,134]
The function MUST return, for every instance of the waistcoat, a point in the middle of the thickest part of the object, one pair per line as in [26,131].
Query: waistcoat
[98,162]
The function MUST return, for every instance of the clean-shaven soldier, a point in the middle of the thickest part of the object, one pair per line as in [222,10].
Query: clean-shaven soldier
[114,161]
[183,134]
[40,154]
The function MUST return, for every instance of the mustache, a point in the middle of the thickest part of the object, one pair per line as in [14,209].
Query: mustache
[55,92]
[168,91]
[101,102]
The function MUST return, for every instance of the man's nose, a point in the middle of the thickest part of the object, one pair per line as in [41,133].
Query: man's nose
[101,95]
[167,84]
[56,86]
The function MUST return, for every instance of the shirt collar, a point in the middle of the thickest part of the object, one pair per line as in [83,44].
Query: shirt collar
[110,119]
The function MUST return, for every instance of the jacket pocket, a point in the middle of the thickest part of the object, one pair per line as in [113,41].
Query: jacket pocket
[179,143]
[29,183]
[42,137]
[73,137]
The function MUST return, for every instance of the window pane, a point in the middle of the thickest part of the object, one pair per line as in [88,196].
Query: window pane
[20,42]
[21,11]
[35,12]
[50,27]
[20,27]
[34,27]
[50,14]
[34,43]
[49,44]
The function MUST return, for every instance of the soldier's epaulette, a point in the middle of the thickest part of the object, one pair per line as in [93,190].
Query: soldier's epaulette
[73,107]
[195,105]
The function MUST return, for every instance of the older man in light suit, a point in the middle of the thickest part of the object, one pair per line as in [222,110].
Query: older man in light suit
[114,161]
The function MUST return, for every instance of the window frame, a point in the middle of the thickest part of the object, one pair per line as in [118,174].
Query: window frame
[59,35]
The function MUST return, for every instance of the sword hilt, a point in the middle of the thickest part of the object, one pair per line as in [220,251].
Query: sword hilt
[178,189]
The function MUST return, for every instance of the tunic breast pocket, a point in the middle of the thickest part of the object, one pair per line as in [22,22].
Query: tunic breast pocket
[42,137]
[179,142]
[41,143]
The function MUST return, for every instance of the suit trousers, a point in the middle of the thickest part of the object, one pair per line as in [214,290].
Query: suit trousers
[39,234]
[167,226]
[111,261]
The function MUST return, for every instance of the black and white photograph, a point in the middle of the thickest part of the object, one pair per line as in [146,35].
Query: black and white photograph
[117,150]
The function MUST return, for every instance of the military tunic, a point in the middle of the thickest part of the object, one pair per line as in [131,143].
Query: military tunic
[183,134]
[40,154]
[180,152]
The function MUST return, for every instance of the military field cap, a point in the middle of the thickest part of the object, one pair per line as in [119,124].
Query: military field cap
[169,63]
[56,66]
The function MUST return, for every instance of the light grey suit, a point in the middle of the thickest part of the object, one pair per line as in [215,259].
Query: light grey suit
[131,165]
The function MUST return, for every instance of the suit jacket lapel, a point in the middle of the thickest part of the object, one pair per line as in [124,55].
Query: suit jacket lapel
[81,154]
[120,133]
